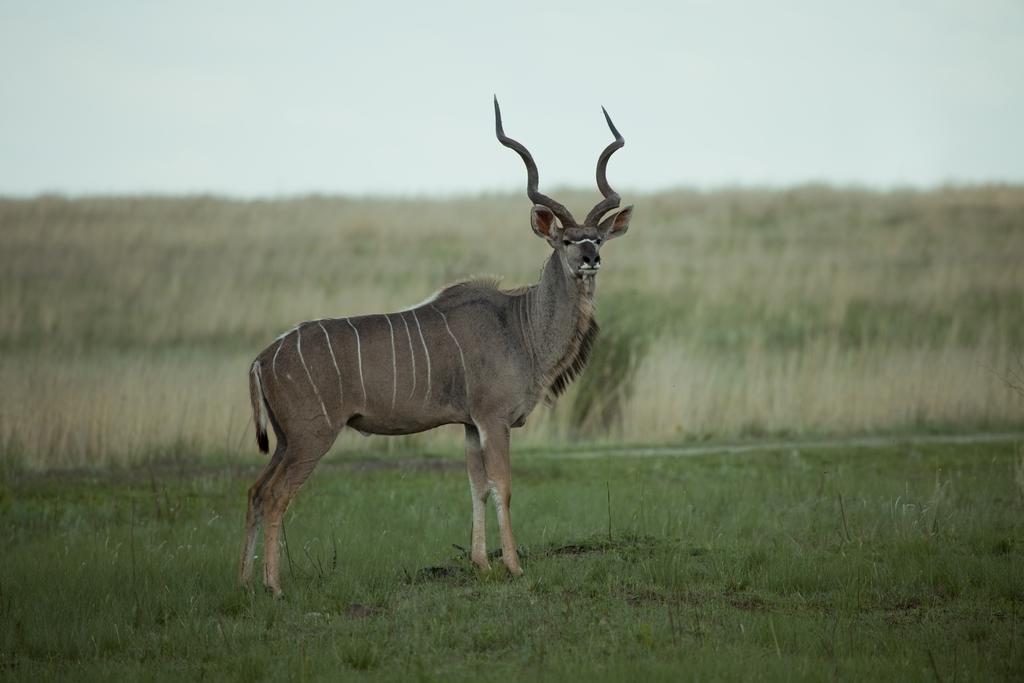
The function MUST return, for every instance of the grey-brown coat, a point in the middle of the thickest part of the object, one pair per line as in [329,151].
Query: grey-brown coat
[472,354]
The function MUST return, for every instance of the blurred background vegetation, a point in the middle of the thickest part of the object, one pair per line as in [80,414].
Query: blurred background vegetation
[128,324]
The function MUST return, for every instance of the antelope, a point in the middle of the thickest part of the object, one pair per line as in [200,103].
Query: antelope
[471,354]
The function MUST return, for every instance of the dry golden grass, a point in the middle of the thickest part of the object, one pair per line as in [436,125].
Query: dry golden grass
[128,324]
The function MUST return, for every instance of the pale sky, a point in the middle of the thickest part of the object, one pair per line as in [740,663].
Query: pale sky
[253,99]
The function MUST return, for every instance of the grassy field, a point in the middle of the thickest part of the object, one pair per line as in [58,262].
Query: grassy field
[126,446]
[128,324]
[893,563]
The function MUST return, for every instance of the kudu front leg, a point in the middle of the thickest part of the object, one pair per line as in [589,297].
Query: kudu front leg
[479,490]
[494,438]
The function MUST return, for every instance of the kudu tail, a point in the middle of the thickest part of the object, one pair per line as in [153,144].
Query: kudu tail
[259,407]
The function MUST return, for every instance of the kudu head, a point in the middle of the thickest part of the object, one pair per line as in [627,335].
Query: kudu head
[578,246]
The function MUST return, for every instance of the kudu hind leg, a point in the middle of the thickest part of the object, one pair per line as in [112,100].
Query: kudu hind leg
[253,515]
[494,438]
[295,468]
[479,490]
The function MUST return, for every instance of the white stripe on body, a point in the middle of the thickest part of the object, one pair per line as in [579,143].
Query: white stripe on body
[359,352]
[341,394]
[394,364]
[412,355]
[273,363]
[429,300]
[462,358]
[524,313]
[425,353]
[287,332]
[298,348]
[529,325]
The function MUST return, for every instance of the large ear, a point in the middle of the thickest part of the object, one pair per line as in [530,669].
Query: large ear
[617,224]
[543,221]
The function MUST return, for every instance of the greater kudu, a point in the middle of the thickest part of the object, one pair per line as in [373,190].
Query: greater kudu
[471,354]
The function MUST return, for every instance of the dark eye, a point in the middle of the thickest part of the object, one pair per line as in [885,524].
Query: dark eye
[566,242]
[597,241]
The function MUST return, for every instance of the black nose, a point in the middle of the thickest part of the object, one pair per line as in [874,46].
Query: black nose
[591,261]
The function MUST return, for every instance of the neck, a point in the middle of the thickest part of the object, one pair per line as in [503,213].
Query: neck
[559,324]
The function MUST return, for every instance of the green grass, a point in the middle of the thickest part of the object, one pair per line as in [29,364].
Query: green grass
[897,563]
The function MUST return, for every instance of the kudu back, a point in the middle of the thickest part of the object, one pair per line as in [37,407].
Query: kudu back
[471,354]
